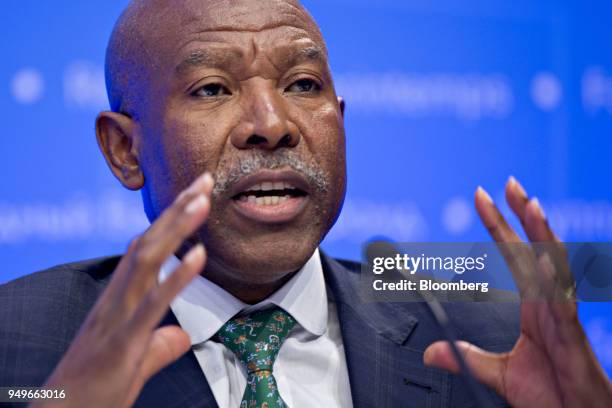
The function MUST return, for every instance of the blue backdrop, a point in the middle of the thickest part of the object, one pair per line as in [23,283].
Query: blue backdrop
[440,98]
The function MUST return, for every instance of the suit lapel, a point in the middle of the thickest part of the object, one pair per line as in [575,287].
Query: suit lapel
[384,370]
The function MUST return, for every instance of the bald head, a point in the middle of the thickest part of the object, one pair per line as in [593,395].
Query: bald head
[148,32]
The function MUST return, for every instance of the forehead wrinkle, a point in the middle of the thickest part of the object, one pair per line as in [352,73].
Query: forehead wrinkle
[280,52]
[266,56]
[288,54]
[250,29]
[245,15]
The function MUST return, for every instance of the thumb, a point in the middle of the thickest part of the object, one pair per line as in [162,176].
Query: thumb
[487,367]
[167,344]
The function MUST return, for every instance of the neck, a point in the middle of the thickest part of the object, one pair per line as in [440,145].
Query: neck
[250,293]
[249,287]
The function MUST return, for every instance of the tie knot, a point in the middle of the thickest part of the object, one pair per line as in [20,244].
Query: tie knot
[256,338]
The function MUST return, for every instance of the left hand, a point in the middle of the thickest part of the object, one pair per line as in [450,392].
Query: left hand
[552,363]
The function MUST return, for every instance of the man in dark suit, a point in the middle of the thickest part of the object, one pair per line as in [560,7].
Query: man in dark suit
[225,116]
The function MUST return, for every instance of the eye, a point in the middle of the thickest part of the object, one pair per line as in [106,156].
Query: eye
[211,90]
[303,85]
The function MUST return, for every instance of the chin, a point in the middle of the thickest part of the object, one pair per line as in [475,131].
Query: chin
[263,257]
[255,246]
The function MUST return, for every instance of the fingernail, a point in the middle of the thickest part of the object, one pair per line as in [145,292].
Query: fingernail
[517,185]
[199,183]
[429,355]
[196,204]
[536,203]
[208,180]
[484,194]
[193,253]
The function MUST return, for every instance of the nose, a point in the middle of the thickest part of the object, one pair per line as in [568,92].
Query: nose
[265,124]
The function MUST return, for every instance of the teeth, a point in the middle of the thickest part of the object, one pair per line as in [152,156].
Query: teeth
[268,185]
[267,200]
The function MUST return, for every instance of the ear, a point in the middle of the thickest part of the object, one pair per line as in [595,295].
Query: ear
[118,141]
[342,104]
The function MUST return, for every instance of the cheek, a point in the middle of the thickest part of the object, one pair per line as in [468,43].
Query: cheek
[325,135]
[179,149]
[193,144]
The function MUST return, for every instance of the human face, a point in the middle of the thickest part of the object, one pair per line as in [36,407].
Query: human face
[245,92]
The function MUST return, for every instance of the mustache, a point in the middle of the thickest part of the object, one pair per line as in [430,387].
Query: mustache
[258,160]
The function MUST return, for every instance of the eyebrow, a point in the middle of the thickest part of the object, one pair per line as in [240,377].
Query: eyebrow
[311,53]
[208,57]
[220,58]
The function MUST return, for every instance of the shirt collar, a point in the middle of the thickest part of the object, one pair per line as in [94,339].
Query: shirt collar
[203,307]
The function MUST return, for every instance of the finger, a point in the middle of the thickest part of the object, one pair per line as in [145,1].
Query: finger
[529,212]
[487,367]
[122,267]
[191,265]
[536,225]
[200,186]
[559,279]
[155,305]
[546,277]
[167,345]
[517,199]
[562,307]
[162,235]
[492,218]
[517,255]
[537,230]
[107,304]
[168,232]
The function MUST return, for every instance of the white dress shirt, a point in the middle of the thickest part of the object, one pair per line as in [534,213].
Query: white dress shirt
[310,369]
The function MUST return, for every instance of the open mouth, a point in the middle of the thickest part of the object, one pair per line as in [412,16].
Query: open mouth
[270,193]
[270,196]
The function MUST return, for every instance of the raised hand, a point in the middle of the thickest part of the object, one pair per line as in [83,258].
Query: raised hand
[119,346]
[552,363]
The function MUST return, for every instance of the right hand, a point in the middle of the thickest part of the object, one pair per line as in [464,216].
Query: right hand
[119,346]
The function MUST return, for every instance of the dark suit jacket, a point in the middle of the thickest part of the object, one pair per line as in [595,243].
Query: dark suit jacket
[384,342]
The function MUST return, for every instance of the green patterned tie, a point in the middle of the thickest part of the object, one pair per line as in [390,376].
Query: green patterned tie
[256,339]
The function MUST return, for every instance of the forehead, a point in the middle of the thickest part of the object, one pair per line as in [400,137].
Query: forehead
[272,25]
[246,15]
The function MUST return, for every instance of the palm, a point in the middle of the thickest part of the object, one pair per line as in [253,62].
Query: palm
[528,368]
[552,363]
